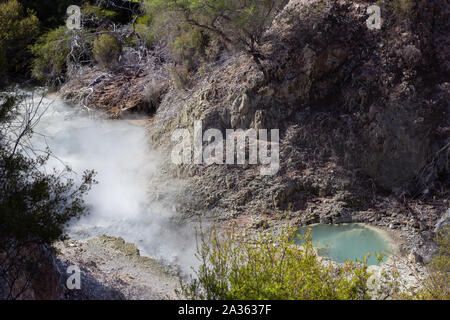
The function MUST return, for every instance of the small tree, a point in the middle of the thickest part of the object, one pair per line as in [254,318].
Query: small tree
[239,23]
[107,50]
[266,266]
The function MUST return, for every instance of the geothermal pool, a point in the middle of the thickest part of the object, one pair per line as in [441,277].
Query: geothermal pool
[347,242]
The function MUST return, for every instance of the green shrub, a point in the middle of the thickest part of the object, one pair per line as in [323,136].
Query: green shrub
[107,50]
[97,12]
[238,23]
[270,267]
[402,9]
[154,92]
[180,77]
[51,13]
[51,52]
[17,30]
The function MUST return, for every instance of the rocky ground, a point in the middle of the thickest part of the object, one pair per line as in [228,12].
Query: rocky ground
[363,115]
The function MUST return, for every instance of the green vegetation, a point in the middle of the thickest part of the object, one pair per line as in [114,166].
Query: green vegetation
[180,77]
[97,12]
[34,206]
[59,50]
[144,30]
[18,28]
[240,24]
[51,13]
[195,31]
[107,50]
[270,267]
[47,51]
[235,266]
[402,8]
[51,52]
[190,47]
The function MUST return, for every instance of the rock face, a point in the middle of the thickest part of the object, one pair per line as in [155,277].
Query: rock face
[444,222]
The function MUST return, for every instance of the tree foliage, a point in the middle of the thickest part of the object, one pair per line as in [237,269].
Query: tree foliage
[18,28]
[107,50]
[34,205]
[239,23]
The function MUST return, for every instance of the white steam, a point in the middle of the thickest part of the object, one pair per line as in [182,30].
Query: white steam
[119,204]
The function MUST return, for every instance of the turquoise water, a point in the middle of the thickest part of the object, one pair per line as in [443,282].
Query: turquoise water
[347,242]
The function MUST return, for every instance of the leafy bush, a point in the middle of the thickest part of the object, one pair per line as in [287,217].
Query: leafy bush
[51,52]
[154,92]
[189,48]
[107,50]
[17,30]
[270,267]
[180,77]
[97,12]
[51,13]
[97,17]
